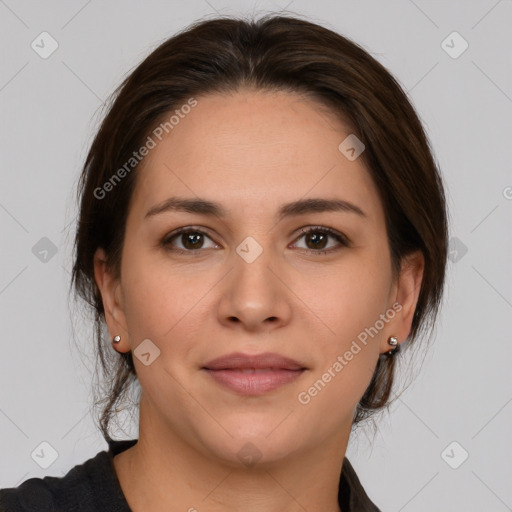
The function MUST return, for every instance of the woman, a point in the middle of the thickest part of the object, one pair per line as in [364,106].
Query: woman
[262,226]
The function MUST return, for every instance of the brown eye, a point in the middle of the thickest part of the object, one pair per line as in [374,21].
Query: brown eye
[187,240]
[317,240]
[192,240]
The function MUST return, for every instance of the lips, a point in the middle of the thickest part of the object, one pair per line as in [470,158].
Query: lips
[267,360]
[253,374]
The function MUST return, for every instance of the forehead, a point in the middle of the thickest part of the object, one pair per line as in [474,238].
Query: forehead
[253,148]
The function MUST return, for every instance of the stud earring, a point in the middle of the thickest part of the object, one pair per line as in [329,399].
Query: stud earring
[393,341]
[116,339]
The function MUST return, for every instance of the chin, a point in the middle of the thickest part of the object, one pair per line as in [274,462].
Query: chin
[257,443]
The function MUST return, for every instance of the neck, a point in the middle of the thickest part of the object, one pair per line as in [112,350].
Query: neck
[172,475]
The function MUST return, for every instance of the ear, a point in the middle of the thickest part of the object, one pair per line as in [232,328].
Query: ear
[112,297]
[405,293]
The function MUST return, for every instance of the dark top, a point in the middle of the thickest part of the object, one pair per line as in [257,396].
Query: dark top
[93,487]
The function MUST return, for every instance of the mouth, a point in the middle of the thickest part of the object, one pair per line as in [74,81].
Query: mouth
[254,381]
[253,374]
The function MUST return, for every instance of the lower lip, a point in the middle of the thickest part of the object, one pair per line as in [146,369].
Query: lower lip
[255,383]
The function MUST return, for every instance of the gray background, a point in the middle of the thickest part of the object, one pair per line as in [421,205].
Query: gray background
[49,111]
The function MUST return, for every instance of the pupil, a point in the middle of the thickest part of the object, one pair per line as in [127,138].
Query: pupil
[194,238]
[319,239]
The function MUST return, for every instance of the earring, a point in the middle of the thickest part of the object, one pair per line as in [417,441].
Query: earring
[116,339]
[393,341]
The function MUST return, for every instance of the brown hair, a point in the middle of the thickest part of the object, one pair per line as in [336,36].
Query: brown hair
[273,53]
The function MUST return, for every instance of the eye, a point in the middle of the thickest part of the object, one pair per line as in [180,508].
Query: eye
[316,238]
[193,239]
[190,238]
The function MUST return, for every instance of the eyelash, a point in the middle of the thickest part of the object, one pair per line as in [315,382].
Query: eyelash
[342,239]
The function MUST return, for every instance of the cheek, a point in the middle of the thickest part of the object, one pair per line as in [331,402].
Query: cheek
[347,299]
[348,349]
[160,299]
[334,392]
[352,301]
[146,305]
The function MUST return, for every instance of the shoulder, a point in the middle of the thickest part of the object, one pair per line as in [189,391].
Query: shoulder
[351,495]
[33,494]
[90,486]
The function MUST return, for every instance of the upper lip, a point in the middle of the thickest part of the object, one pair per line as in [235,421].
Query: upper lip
[238,360]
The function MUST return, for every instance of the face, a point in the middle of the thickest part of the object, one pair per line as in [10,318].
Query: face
[305,281]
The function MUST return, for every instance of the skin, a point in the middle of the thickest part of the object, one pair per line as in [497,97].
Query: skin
[250,151]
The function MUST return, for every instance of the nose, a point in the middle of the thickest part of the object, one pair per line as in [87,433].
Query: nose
[254,296]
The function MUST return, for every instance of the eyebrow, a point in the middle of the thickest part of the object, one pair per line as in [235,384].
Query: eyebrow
[295,208]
